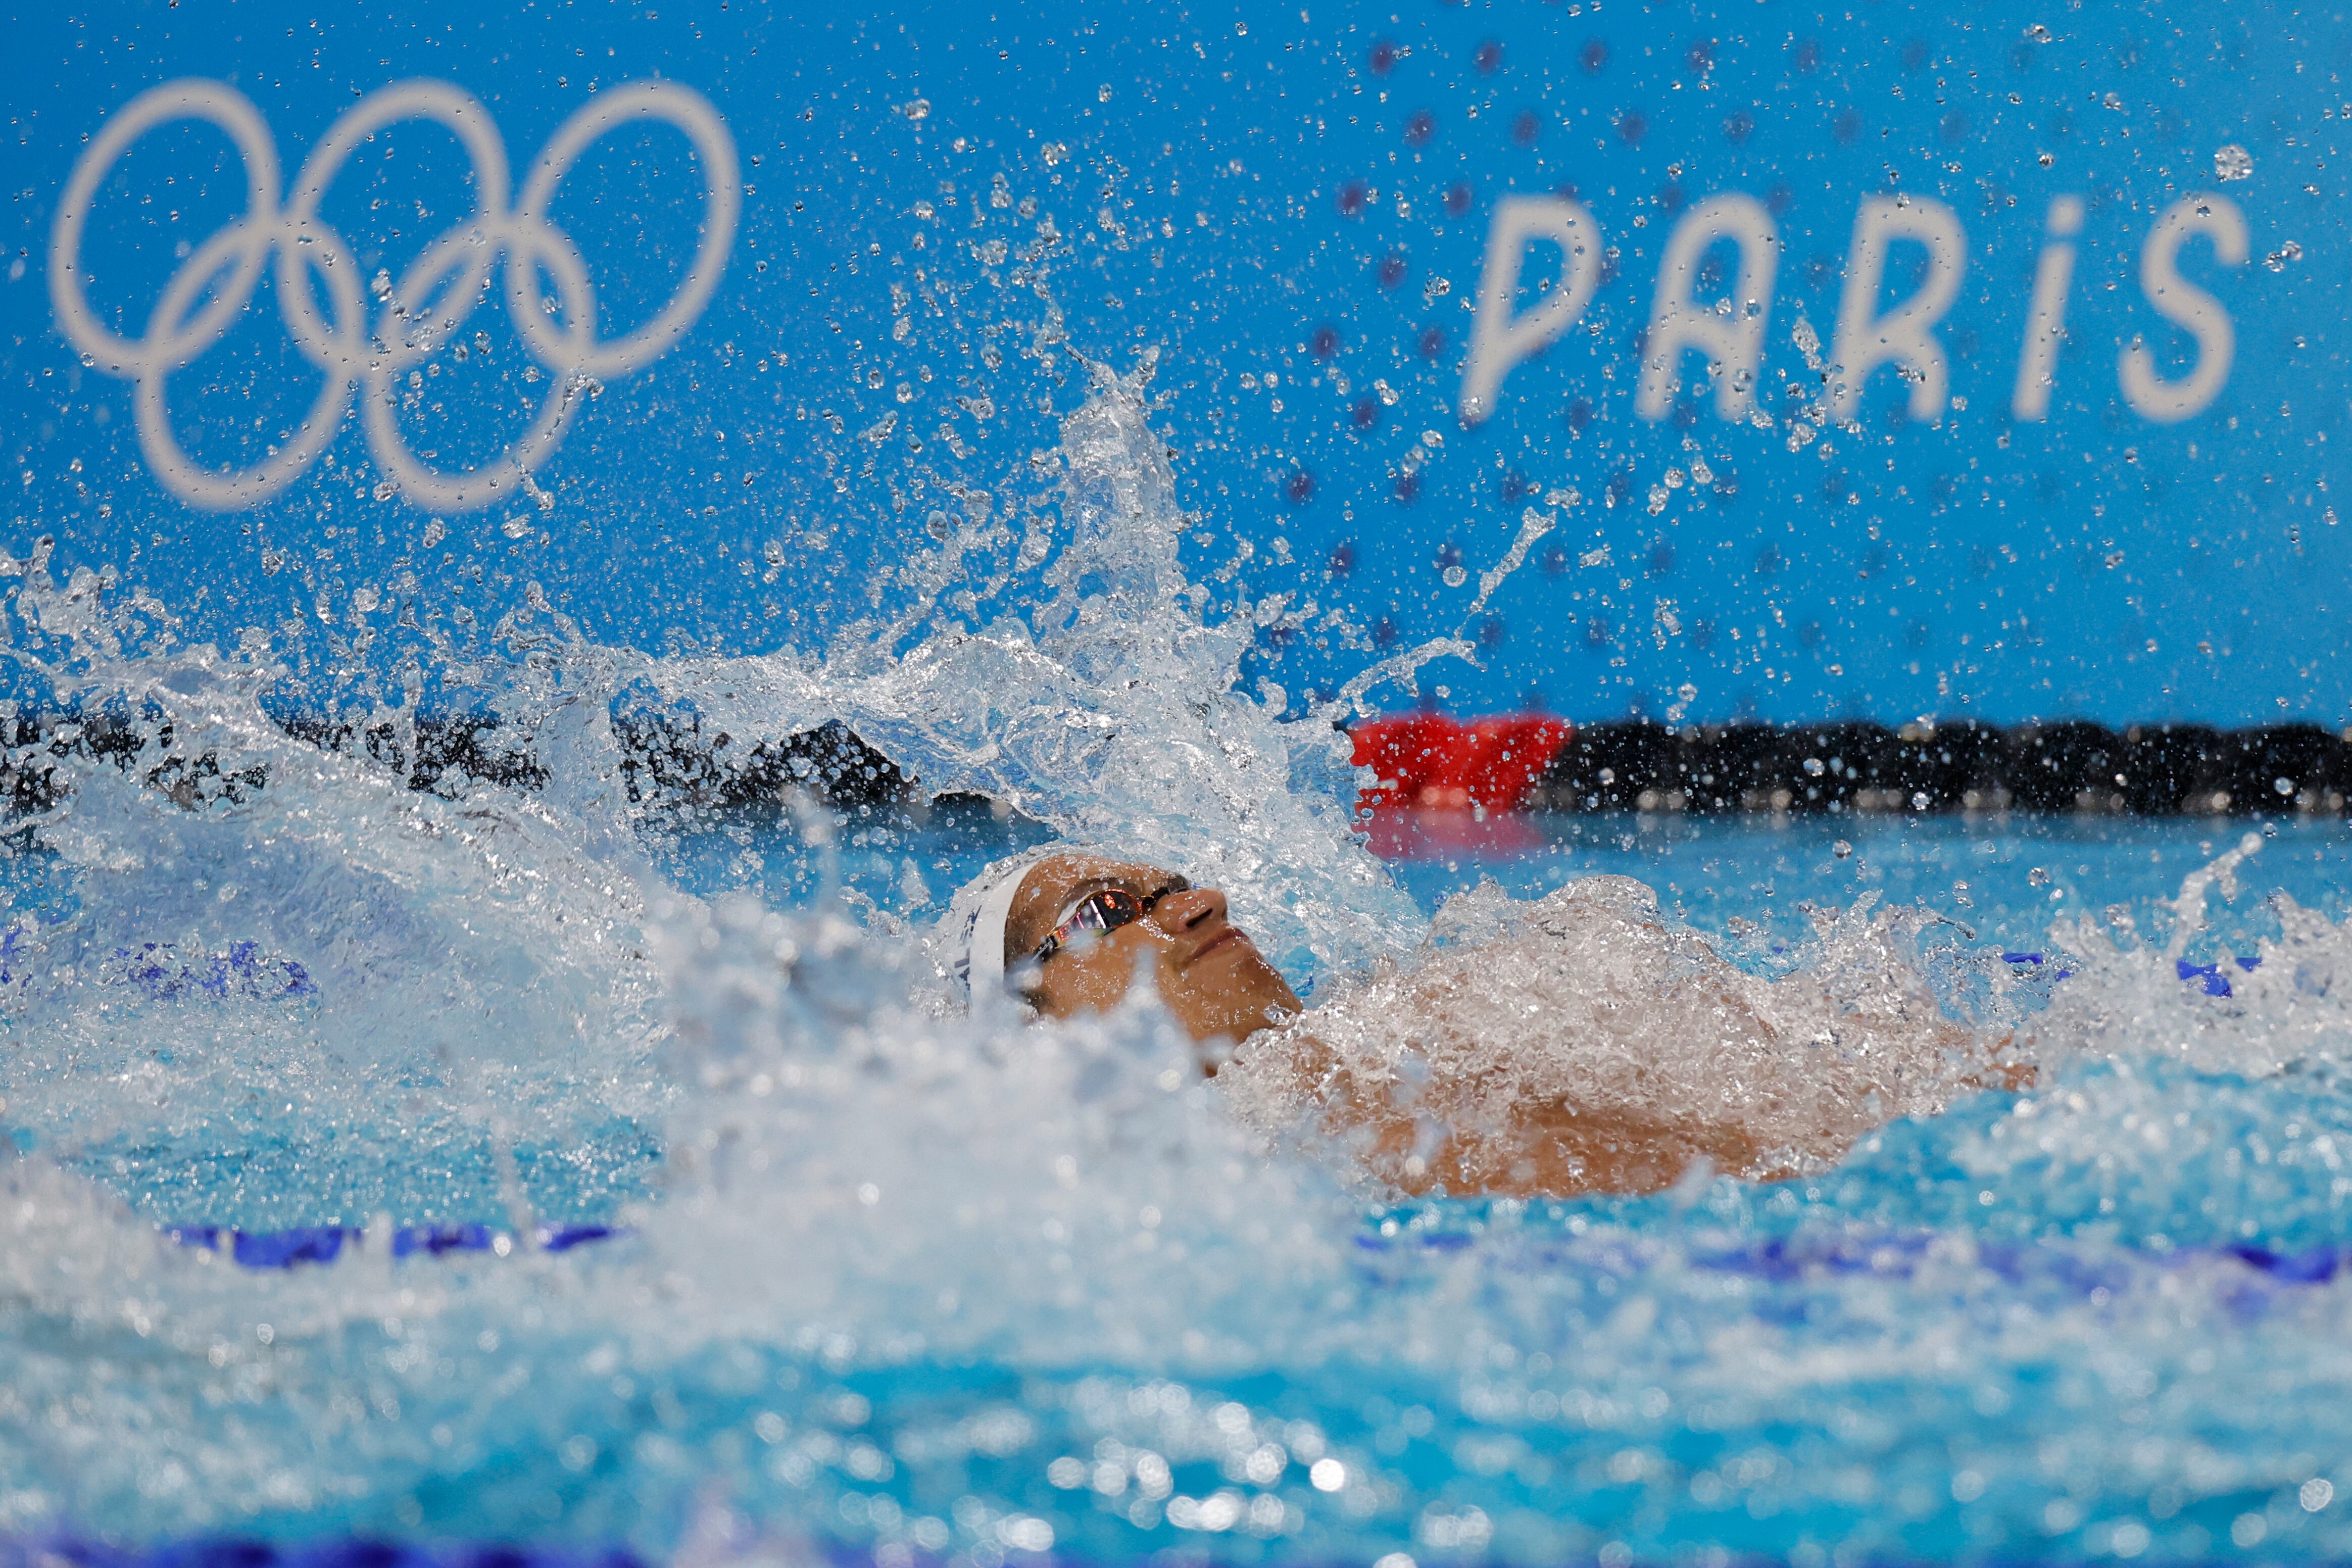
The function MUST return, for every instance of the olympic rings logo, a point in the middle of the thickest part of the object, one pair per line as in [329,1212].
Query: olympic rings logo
[418,314]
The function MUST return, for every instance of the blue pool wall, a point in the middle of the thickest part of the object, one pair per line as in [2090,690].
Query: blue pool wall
[935,210]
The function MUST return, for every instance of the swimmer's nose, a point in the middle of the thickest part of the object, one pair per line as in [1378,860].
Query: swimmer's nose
[1190,910]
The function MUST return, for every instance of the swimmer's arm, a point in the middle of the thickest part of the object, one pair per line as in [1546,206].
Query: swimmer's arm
[1422,1142]
[1982,1060]
[2005,1066]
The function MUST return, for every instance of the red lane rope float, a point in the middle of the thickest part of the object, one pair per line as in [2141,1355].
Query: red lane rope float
[1434,760]
[1443,785]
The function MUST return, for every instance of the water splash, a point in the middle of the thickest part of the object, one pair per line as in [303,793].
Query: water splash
[1110,712]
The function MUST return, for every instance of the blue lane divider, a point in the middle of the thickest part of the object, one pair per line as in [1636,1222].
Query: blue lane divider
[325,1243]
[2208,977]
[1780,1260]
[2315,1266]
[166,973]
[1901,1253]
[345,1551]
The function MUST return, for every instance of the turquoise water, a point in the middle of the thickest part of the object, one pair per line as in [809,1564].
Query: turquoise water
[1721,876]
[902,1285]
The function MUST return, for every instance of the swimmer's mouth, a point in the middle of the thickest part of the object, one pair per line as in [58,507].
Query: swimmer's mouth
[1230,934]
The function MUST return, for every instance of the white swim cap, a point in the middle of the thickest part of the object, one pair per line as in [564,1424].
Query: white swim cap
[989,898]
[982,908]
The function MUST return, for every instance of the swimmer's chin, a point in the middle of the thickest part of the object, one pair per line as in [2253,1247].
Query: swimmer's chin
[1218,1049]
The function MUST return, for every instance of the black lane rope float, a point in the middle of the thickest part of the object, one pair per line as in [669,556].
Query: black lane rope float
[673,759]
[2071,767]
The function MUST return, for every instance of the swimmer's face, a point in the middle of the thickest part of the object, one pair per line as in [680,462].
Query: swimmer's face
[1210,976]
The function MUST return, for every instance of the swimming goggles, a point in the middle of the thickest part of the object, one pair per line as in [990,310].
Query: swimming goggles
[1103,911]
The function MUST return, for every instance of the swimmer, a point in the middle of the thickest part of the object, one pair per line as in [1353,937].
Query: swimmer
[1635,1053]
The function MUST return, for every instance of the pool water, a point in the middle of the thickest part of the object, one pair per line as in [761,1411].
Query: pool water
[886,1282]
[1752,885]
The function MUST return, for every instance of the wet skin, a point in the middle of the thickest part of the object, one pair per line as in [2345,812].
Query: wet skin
[1221,990]
[1210,976]
[1216,984]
